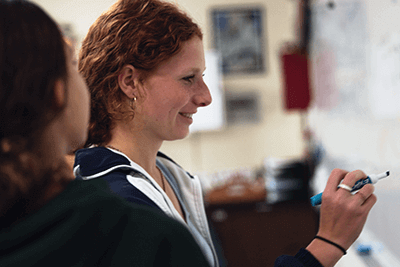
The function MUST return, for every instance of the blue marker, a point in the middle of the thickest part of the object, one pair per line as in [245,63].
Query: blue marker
[371,179]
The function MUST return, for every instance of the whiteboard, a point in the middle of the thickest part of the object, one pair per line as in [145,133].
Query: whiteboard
[355,112]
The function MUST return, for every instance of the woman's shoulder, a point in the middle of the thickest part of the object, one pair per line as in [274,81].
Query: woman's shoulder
[94,160]
[86,219]
[149,227]
[94,198]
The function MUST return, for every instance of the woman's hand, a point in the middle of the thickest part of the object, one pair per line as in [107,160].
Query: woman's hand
[343,215]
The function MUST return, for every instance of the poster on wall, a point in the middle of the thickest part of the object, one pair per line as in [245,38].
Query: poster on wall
[238,36]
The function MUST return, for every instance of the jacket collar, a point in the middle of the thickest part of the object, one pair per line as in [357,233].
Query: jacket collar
[95,160]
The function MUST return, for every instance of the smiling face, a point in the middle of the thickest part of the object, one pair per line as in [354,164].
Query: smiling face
[173,92]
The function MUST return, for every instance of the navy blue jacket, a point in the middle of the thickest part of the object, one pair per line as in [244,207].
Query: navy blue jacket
[97,160]
[94,161]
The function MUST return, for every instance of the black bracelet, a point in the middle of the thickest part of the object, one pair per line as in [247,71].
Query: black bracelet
[332,243]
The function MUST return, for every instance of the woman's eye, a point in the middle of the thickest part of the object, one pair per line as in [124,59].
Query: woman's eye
[189,78]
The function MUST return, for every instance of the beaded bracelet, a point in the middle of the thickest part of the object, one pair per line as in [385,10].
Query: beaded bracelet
[332,243]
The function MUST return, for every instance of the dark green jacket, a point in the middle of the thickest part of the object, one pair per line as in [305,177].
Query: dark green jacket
[86,225]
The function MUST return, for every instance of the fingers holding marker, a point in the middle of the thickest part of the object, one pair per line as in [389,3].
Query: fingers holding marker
[348,184]
[365,189]
[348,179]
[340,184]
[351,178]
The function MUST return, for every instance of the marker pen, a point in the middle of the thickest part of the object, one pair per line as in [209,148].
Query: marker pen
[371,179]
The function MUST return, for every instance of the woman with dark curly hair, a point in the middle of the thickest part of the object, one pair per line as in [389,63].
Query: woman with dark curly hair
[48,218]
[143,61]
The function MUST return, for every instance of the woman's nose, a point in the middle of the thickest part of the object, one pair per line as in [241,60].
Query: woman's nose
[203,96]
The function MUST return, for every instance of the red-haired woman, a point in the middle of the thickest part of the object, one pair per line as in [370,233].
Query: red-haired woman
[143,61]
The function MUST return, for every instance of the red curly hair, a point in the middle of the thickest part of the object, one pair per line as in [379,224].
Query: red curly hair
[142,33]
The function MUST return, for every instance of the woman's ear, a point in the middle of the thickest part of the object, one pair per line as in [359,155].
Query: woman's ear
[59,98]
[128,80]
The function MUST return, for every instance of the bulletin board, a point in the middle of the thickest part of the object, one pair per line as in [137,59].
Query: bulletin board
[355,113]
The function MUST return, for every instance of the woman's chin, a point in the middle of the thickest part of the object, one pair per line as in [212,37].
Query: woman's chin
[178,136]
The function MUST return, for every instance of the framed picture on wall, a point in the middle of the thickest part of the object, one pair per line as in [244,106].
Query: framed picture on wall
[238,37]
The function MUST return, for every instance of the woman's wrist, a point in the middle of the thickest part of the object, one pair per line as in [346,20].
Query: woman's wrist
[332,243]
[327,254]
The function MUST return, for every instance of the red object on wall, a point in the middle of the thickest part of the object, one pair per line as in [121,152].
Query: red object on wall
[297,94]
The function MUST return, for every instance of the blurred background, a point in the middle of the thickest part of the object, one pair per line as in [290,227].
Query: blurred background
[299,87]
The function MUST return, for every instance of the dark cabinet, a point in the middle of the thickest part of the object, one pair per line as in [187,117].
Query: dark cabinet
[255,234]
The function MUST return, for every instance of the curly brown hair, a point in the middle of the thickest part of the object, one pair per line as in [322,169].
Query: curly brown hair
[142,33]
[32,58]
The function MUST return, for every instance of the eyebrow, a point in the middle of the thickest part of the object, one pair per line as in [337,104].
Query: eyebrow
[194,70]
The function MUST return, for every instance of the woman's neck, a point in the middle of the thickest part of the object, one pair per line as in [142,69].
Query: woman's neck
[140,148]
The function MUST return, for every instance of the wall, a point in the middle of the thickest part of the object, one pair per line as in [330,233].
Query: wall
[277,134]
